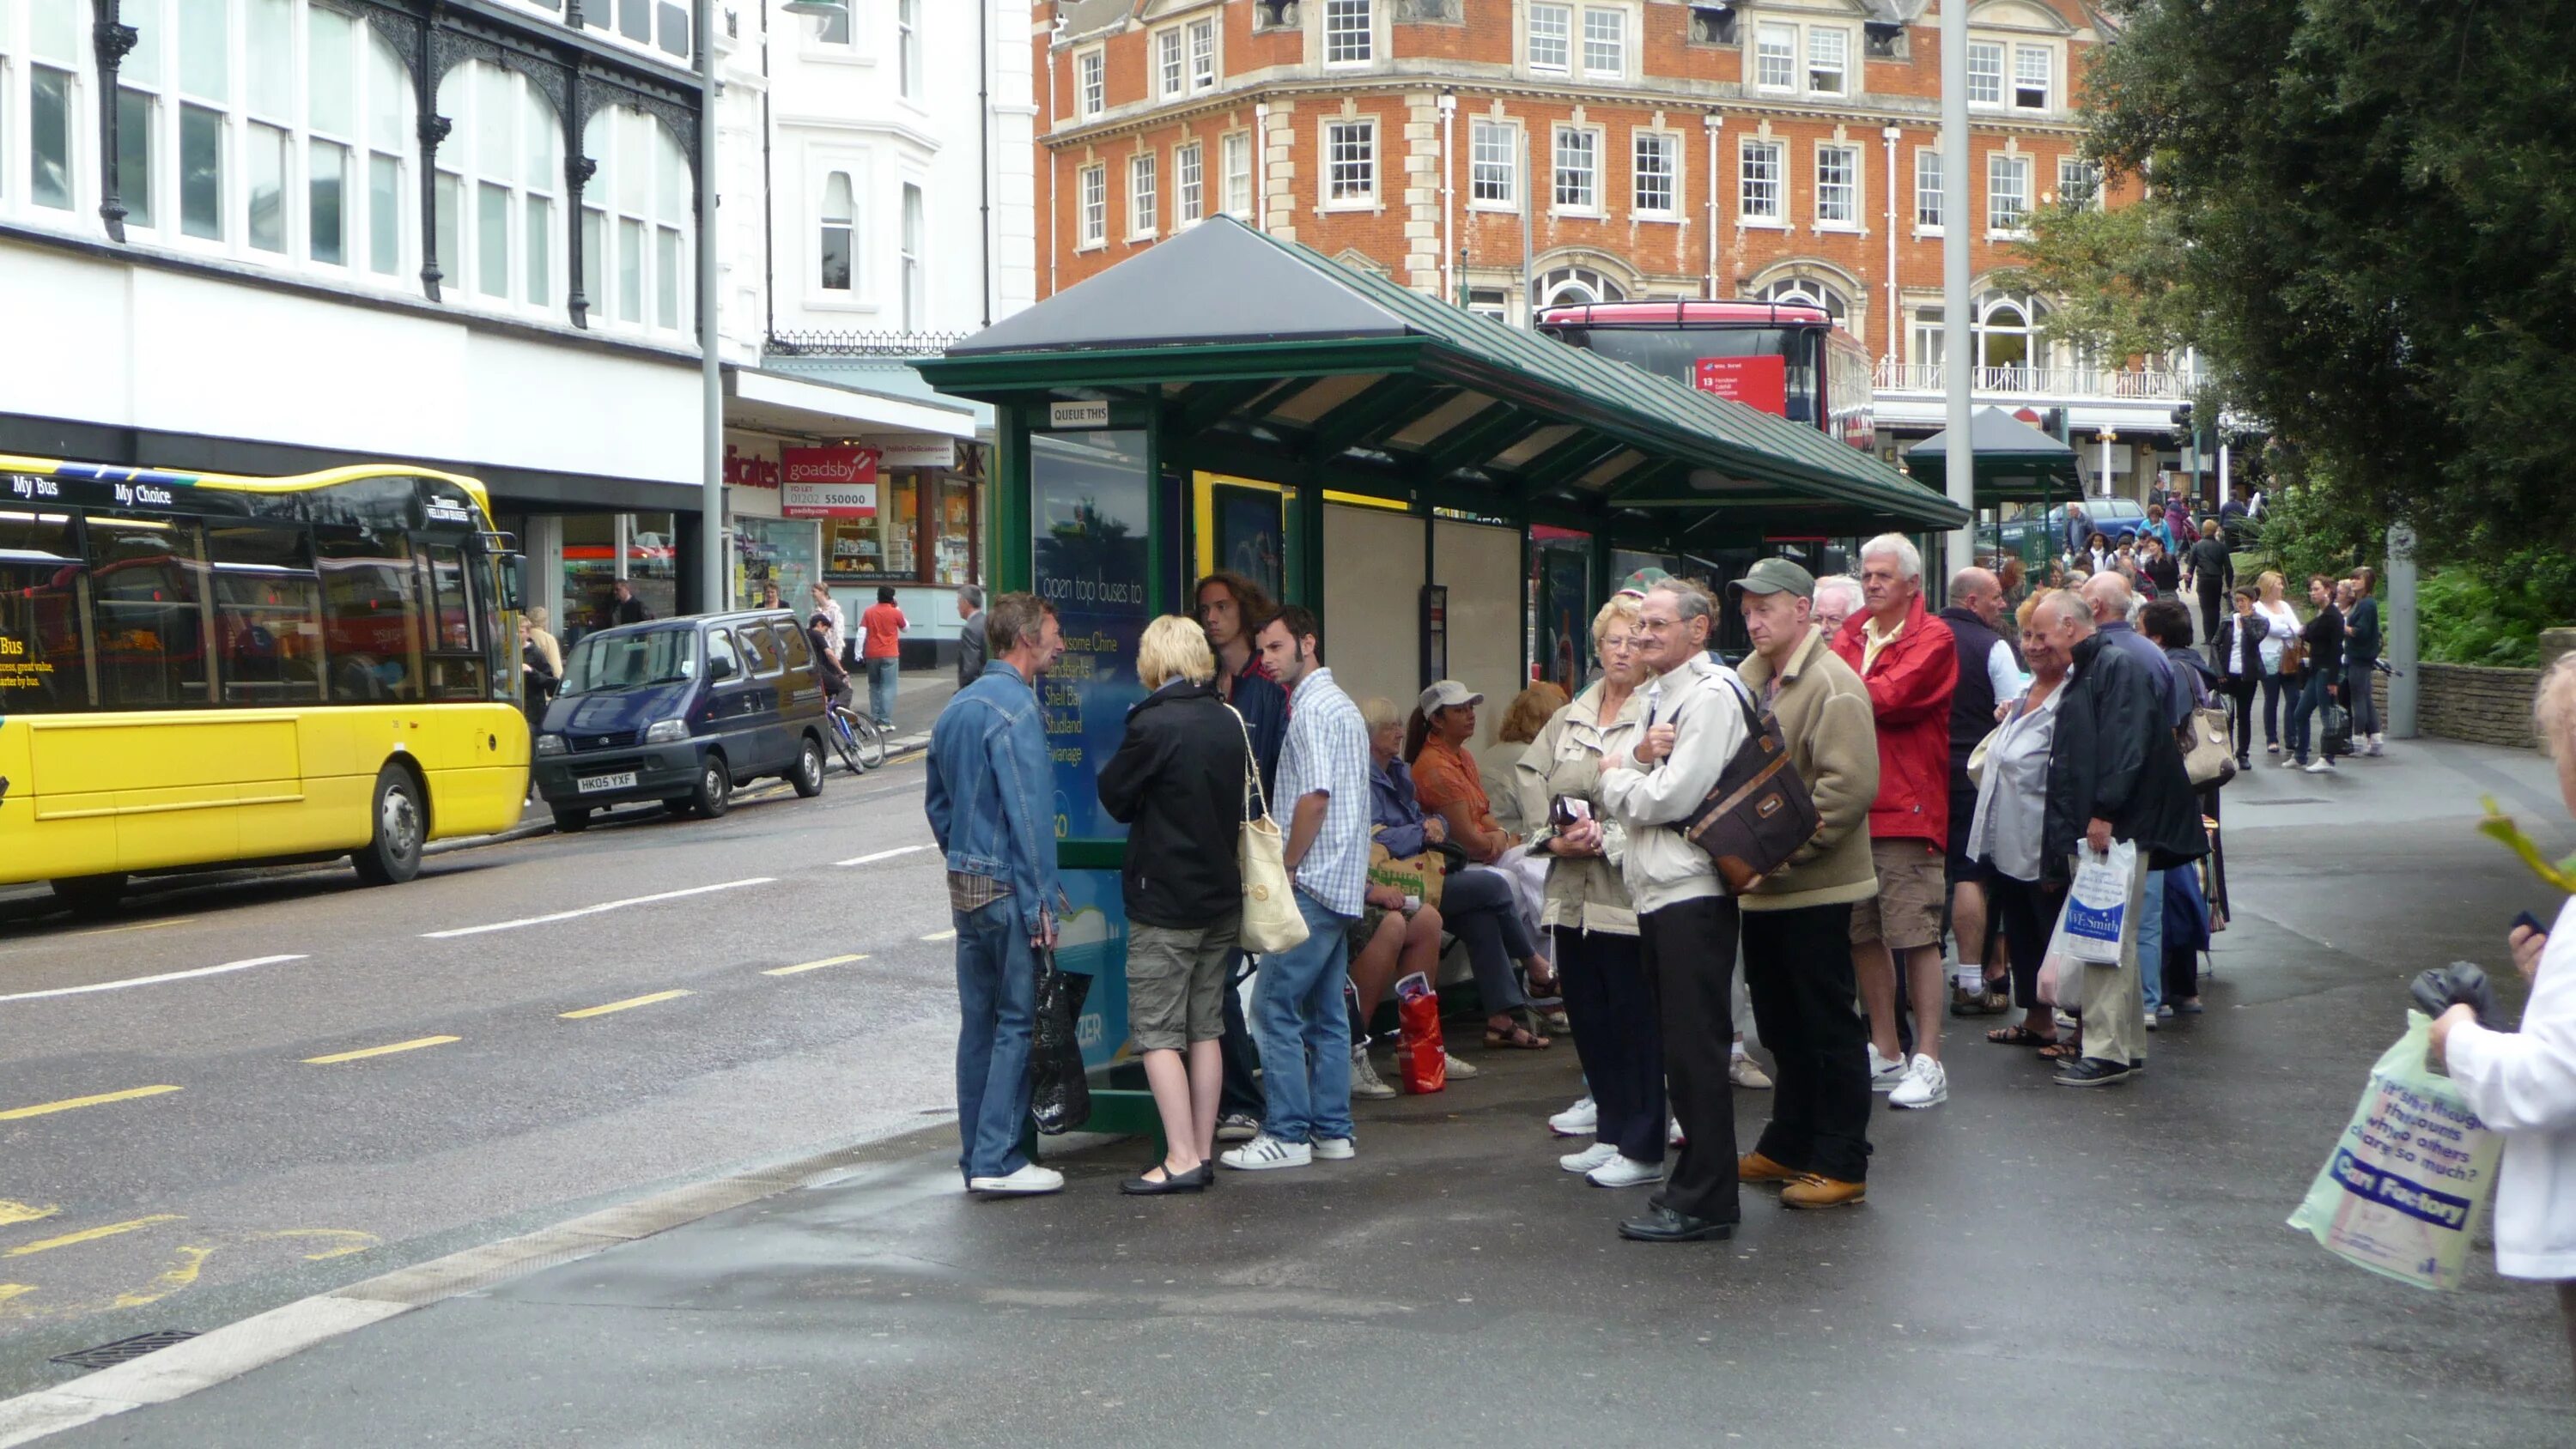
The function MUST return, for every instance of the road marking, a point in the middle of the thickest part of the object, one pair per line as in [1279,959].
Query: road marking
[137,926]
[947,935]
[68,1103]
[153,980]
[88,1235]
[590,910]
[382,1051]
[19,1212]
[181,1274]
[881,855]
[814,965]
[349,1239]
[631,1001]
[12,1290]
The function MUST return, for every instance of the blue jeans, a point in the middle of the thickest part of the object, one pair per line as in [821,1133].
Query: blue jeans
[882,674]
[1303,1030]
[997,990]
[2151,941]
[2314,692]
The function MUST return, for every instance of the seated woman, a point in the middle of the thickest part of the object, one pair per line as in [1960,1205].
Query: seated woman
[1481,904]
[1392,939]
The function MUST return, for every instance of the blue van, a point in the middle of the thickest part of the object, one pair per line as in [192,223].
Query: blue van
[682,711]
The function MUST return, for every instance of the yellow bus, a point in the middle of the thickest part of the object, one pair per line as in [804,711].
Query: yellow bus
[199,670]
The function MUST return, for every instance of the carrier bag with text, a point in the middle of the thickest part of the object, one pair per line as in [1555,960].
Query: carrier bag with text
[2407,1187]
[1423,1056]
[2098,905]
[1059,1092]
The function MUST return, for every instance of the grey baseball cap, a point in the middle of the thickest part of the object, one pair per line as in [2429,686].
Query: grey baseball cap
[1777,576]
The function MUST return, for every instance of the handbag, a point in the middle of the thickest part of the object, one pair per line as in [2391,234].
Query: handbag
[1977,758]
[1759,813]
[2209,755]
[1059,1089]
[1419,875]
[2294,656]
[2335,724]
[1271,920]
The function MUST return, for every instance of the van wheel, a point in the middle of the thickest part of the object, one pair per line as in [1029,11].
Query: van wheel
[715,788]
[90,895]
[571,819]
[808,778]
[402,827]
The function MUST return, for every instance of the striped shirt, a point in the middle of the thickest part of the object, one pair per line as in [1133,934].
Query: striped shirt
[1327,752]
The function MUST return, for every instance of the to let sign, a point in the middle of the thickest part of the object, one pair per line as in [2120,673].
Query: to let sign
[827,482]
[828,465]
[1761,382]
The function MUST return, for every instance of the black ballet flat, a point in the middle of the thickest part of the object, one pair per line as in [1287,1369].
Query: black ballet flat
[1194,1180]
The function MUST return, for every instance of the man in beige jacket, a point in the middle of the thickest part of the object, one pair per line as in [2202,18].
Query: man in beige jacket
[1797,920]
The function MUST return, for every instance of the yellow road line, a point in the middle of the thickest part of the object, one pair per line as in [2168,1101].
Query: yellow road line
[181,1274]
[382,1051]
[949,935]
[814,965]
[88,1235]
[620,1005]
[137,926]
[68,1103]
[12,1290]
[19,1212]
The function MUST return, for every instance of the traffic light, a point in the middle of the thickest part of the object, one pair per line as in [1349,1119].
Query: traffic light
[2182,417]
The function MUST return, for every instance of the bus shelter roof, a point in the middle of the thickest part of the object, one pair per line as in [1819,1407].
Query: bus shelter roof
[1272,361]
[2014,462]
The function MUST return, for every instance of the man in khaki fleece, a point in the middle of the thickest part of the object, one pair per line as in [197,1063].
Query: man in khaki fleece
[1797,920]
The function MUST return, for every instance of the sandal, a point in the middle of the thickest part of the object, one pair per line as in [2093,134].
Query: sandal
[2062,1051]
[2019,1035]
[1518,1038]
[1988,1003]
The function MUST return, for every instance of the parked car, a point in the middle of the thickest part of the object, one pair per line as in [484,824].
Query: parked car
[682,711]
[2036,539]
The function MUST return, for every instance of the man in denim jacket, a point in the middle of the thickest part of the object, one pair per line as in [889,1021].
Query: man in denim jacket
[989,805]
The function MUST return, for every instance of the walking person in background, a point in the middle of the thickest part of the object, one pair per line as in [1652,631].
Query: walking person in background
[883,625]
[2280,626]
[624,607]
[970,634]
[2238,647]
[1837,599]
[2160,567]
[770,598]
[1797,919]
[2361,643]
[2323,637]
[2098,553]
[987,799]
[1231,610]
[1177,783]
[1989,674]
[823,606]
[2209,570]
[1910,663]
[540,670]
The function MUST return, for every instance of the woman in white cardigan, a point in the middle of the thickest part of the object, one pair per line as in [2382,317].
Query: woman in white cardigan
[2523,1083]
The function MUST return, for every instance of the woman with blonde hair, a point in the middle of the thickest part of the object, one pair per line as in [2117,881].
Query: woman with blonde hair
[1177,782]
[2280,625]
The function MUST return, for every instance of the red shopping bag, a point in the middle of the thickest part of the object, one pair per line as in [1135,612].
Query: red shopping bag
[1422,1056]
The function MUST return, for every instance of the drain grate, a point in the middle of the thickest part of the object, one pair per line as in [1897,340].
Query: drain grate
[123,1350]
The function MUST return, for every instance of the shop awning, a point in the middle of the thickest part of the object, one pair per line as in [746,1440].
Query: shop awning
[774,402]
[2015,462]
[1270,360]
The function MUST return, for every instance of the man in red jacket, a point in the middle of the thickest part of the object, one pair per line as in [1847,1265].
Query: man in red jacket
[1911,664]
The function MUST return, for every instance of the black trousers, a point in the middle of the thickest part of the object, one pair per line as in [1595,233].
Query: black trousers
[1613,1014]
[2240,698]
[2213,608]
[1239,1090]
[2028,913]
[1798,972]
[1689,950]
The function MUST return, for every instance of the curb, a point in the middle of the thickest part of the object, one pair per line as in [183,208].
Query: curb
[524,830]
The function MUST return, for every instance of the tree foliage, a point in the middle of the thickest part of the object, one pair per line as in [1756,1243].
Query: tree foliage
[2360,212]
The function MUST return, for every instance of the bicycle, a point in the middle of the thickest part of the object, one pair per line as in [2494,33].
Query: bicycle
[861,745]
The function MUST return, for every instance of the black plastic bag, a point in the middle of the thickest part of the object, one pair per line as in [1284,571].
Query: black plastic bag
[1059,1090]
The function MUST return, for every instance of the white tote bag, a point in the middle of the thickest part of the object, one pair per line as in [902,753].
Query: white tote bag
[1271,920]
[2097,908]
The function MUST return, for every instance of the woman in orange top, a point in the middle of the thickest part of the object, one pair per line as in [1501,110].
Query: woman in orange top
[1446,783]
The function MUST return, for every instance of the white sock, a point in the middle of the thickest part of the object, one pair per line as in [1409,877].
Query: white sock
[1971,977]
[1738,1053]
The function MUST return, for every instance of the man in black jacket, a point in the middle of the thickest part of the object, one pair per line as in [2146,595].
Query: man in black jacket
[2114,773]
[2210,570]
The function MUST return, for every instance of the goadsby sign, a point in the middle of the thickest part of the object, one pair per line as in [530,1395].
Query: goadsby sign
[828,482]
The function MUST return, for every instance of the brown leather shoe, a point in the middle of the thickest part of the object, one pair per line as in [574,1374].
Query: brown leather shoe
[1754,1167]
[1813,1191]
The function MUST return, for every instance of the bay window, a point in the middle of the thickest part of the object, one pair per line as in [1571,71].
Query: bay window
[499,173]
[637,211]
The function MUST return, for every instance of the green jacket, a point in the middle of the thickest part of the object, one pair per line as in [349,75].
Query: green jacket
[1824,714]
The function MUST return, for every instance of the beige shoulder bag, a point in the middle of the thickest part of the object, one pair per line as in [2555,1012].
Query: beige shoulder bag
[1271,920]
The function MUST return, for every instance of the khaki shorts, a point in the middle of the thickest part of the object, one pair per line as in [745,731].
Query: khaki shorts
[1176,983]
[1906,912]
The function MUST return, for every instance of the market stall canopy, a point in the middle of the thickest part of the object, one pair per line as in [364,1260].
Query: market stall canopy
[1272,361]
[2015,462]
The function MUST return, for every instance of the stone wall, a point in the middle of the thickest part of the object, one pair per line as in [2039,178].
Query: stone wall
[2471,702]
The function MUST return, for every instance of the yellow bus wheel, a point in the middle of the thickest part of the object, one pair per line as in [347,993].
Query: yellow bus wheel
[401,828]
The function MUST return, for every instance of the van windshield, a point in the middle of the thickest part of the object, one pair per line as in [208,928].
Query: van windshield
[605,662]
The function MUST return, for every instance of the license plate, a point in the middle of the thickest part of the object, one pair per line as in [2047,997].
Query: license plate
[622,780]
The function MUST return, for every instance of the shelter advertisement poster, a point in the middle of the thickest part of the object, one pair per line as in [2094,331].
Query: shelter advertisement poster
[1092,940]
[1564,610]
[1250,534]
[1094,516]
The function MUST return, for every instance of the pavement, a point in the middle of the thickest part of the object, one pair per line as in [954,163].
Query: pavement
[2034,1265]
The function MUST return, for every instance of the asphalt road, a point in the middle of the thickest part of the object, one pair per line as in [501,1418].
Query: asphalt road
[257,1086]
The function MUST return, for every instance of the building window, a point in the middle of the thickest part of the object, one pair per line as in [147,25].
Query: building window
[1926,339]
[1349,32]
[1927,189]
[1494,302]
[1758,196]
[1838,187]
[1828,53]
[1202,35]
[1775,57]
[1605,43]
[1140,196]
[1578,169]
[499,169]
[1985,73]
[1095,205]
[1350,163]
[1493,164]
[1551,32]
[638,221]
[1189,185]
[1235,152]
[2034,67]
[832,29]
[649,24]
[2009,334]
[916,284]
[1654,181]
[1575,286]
[840,234]
[2079,182]
[1090,83]
[1171,64]
[2007,192]
[1807,292]
[907,48]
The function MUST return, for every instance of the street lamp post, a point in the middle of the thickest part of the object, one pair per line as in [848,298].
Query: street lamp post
[2102,485]
[1955,343]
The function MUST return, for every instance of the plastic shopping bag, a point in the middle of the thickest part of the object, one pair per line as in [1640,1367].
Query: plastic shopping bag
[1422,1055]
[2059,986]
[2408,1184]
[2097,908]
[1059,1091]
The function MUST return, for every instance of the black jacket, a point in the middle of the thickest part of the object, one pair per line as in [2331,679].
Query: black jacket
[1972,703]
[2246,645]
[1177,782]
[2114,758]
[2213,568]
[2324,637]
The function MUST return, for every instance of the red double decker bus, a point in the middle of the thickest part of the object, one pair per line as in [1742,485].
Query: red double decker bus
[1784,358]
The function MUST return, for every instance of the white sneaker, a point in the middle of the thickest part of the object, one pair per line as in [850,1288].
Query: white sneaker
[1673,1134]
[1029,1181]
[1459,1071]
[1884,1074]
[1748,1074]
[1264,1152]
[1237,1127]
[1925,1085]
[2322,766]
[1334,1149]
[1365,1082]
[1580,1120]
[2375,750]
[1589,1158]
[1625,1172]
